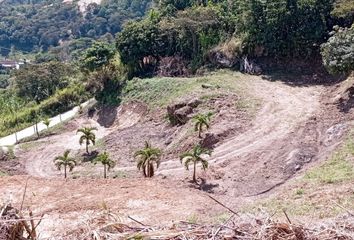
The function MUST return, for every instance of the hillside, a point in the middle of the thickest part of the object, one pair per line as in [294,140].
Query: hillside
[37,26]
[84,3]
[177,119]
[271,140]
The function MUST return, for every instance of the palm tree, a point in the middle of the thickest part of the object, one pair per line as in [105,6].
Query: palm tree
[194,157]
[146,158]
[87,136]
[201,121]
[106,162]
[46,122]
[65,161]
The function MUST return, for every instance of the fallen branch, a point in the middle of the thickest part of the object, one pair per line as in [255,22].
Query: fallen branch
[224,225]
[347,210]
[142,224]
[286,215]
[223,205]
[20,220]
[24,195]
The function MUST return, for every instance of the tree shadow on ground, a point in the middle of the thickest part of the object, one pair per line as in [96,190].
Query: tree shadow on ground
[90,157]
[203,186]
[303,79]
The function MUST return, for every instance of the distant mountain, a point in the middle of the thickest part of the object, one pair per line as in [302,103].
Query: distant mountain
[32,25]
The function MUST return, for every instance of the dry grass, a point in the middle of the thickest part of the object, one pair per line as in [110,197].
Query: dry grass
[106,225]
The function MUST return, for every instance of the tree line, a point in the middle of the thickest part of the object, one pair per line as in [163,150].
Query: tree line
[272,29]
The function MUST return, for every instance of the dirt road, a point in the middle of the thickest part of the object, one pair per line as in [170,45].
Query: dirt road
[39,163]
[284,138]
[269,152]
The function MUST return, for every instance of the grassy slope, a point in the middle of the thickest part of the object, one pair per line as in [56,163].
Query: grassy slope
[159,92]
[323,191]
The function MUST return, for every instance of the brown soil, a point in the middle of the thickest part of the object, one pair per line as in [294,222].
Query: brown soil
[295,128]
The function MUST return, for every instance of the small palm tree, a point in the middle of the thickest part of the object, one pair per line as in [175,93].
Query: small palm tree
[194,157]
[107,163]
[146,158]
[201,121]
[87,136]
[65,161]
[46,122]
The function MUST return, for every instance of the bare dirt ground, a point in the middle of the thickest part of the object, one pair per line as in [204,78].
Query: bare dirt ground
[295,127]
[83,3]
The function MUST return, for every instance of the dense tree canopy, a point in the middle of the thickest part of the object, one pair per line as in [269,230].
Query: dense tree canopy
[97,56]
[34,25]
[190,29]
[39,82]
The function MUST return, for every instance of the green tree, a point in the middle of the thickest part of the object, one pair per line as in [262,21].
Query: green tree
[65,161]
[138,40]
[147,157]
[97,56]
[38,82]
[46,122]
[194,157]
[107,163]
[202,121]
[87,136]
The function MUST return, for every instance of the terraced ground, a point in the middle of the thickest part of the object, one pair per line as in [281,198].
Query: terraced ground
[274,148]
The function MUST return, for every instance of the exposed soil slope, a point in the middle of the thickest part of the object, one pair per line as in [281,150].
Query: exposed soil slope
[294,128]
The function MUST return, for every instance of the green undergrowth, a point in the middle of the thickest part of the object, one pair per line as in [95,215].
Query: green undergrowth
[26,116]
[45,133]
[161,91]
[323,191]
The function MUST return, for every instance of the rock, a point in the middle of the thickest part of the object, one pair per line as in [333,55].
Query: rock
[168,141]
[207,86]
[182,114]
[298,158]
[195,102]
[221,60]
[334,133]
[178,114]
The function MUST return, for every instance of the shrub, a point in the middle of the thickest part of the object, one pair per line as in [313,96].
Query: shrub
[338,52]
[62,101]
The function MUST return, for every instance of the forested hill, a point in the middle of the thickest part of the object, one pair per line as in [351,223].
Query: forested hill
[32,25]
[195,33]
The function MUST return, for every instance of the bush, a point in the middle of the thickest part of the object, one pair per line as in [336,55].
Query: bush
[62,101]
[4,81]
[338,52]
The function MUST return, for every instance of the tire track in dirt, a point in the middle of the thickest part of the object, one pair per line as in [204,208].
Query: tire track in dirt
[39,163]
[255,161]
[246,164]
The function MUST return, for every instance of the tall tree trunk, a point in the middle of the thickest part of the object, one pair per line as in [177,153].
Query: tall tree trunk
[144,171]
[194,170]
[65,171]
[148,169]
[200,133]
[151,170]
[87,145]
[105,170]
